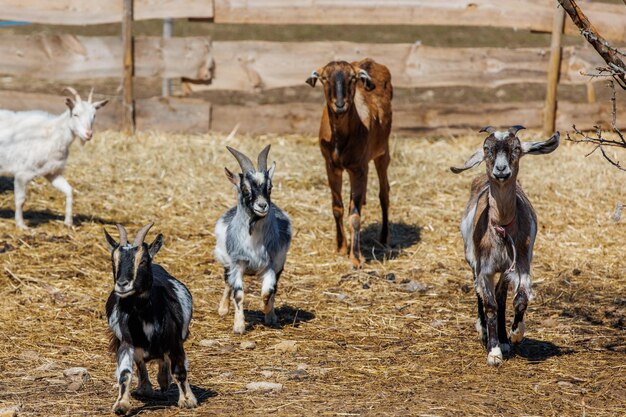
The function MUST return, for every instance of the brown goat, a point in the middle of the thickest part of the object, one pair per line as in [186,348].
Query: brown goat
[355,127]
[499,228]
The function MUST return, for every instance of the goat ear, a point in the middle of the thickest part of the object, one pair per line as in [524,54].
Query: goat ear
[313,78]
[100,104]
[367,80]
[474,160]
[156,244]
[234,178]
[540,148]
[270,172]
[111,243]
[69,103]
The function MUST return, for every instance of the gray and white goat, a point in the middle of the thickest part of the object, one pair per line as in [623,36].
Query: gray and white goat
[37,144]
[499,228]
[252,238]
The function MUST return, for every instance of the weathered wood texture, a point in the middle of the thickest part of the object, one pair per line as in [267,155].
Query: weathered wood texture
[258,65]
[554,66]
[528,14]
[198,116]
[69,57]
[81,12]
[411,120]
[160,114]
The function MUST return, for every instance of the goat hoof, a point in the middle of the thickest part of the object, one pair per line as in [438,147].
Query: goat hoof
[189,402]
[121,407]
[239,328]
[144,391]
[22,226]
[356,263]
[222,311]
[494,358]
[517,335]
[271,319]
[68,223]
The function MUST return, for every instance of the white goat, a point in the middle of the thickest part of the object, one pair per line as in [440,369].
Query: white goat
[37,144]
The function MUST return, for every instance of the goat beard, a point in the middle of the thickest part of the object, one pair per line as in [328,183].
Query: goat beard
[253,219]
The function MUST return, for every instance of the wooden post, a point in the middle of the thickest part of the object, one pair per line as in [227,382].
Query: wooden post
[129,68]
[168,28]
[554,68]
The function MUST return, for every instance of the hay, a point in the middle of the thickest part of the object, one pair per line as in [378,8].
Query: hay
[363,346]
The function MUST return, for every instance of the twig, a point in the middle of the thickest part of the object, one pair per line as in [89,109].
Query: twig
[600,141]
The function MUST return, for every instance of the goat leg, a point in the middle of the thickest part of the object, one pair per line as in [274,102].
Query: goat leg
[124,373]
[225,301]
[486,287]
[20,185]
[382,163]
[334,181]
[186,398]
[61,184]
[501,294]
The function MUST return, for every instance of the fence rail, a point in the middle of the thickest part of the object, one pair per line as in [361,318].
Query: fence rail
[69,57]
[81,12]
[255,66]
[533,15]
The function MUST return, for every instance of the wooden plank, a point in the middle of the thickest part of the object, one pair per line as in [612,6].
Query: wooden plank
[528,14]
[81,12]
[171,114]
[554,68]
[257,65]
[128,67]
[414,120]
[194,115]
[69,57]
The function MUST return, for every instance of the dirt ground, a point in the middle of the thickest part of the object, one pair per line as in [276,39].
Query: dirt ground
[358,343]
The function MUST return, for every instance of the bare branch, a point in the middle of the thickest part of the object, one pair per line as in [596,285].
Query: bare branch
[610,54]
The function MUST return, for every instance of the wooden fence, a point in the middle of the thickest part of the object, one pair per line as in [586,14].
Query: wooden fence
[258,66]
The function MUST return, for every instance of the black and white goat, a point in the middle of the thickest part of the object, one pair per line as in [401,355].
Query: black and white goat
[499,228]
[252,238]
[148,313]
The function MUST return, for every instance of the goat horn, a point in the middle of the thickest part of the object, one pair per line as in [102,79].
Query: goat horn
[488,129]
[71,90]
[514,129]
[141,234]
[90,95]
[123,234]
[262,159]
[244,162]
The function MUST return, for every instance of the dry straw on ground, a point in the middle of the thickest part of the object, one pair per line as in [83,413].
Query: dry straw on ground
[364,343]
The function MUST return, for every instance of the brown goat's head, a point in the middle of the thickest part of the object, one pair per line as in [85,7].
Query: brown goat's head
[339,79]
[502,151]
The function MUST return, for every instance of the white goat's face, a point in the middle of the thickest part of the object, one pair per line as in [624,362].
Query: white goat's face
[83,115]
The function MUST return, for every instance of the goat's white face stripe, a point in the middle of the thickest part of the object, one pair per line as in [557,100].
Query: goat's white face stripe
[259,177]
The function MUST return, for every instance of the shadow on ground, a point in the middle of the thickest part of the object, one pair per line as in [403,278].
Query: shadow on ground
[402,236]
[168,399]
[534,350]
[37,217]
[288,316]
[6,184]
